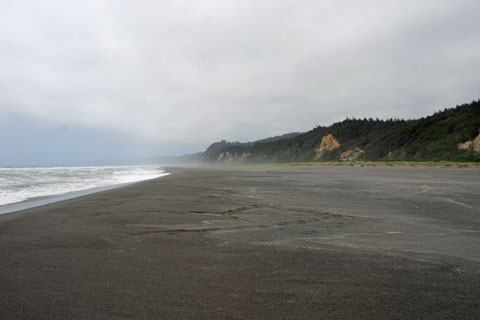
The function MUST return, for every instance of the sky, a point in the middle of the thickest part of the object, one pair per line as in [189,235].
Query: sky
[92,80]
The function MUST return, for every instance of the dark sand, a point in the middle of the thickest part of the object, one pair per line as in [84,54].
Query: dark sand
[252,243]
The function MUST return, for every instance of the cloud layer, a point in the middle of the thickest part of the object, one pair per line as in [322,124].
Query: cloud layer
[199,71]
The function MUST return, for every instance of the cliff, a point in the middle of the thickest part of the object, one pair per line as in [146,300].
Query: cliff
[451,134]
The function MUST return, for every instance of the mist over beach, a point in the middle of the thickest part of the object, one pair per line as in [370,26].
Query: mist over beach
[239,159]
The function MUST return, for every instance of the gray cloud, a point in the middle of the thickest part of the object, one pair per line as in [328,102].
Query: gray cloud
[199,71]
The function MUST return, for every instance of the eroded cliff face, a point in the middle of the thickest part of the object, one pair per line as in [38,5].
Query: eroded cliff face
[224,156]
[352,154]
[244,155]
[328,143]
[471,144]
[230,156]
[465,145]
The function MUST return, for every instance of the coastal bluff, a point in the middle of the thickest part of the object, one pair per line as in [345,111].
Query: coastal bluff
[451,134]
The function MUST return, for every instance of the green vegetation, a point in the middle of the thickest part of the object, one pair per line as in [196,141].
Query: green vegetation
[432,138]
[356,163]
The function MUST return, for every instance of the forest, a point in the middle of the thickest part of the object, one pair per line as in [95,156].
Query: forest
[435,137]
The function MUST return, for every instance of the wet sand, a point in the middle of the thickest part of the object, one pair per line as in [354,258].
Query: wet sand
[252,243]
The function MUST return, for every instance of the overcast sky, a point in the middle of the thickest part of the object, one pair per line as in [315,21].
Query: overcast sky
[155,74]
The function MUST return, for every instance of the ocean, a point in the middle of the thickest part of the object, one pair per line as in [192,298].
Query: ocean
[21,185]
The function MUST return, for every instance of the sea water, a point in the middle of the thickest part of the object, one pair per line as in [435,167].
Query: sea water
[19,184]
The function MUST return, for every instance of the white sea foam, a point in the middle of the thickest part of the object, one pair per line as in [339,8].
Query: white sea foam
[20,184]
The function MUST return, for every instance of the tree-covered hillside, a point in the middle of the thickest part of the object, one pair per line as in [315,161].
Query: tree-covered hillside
[435,137]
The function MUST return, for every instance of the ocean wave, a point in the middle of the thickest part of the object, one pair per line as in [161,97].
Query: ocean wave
[21,184]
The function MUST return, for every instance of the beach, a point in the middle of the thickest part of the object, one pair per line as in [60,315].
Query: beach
[252,242]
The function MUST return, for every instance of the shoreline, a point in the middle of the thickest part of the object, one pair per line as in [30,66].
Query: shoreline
[251,242]
[54,198]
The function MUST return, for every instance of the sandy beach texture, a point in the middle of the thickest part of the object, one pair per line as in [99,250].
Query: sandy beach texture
[252,243]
